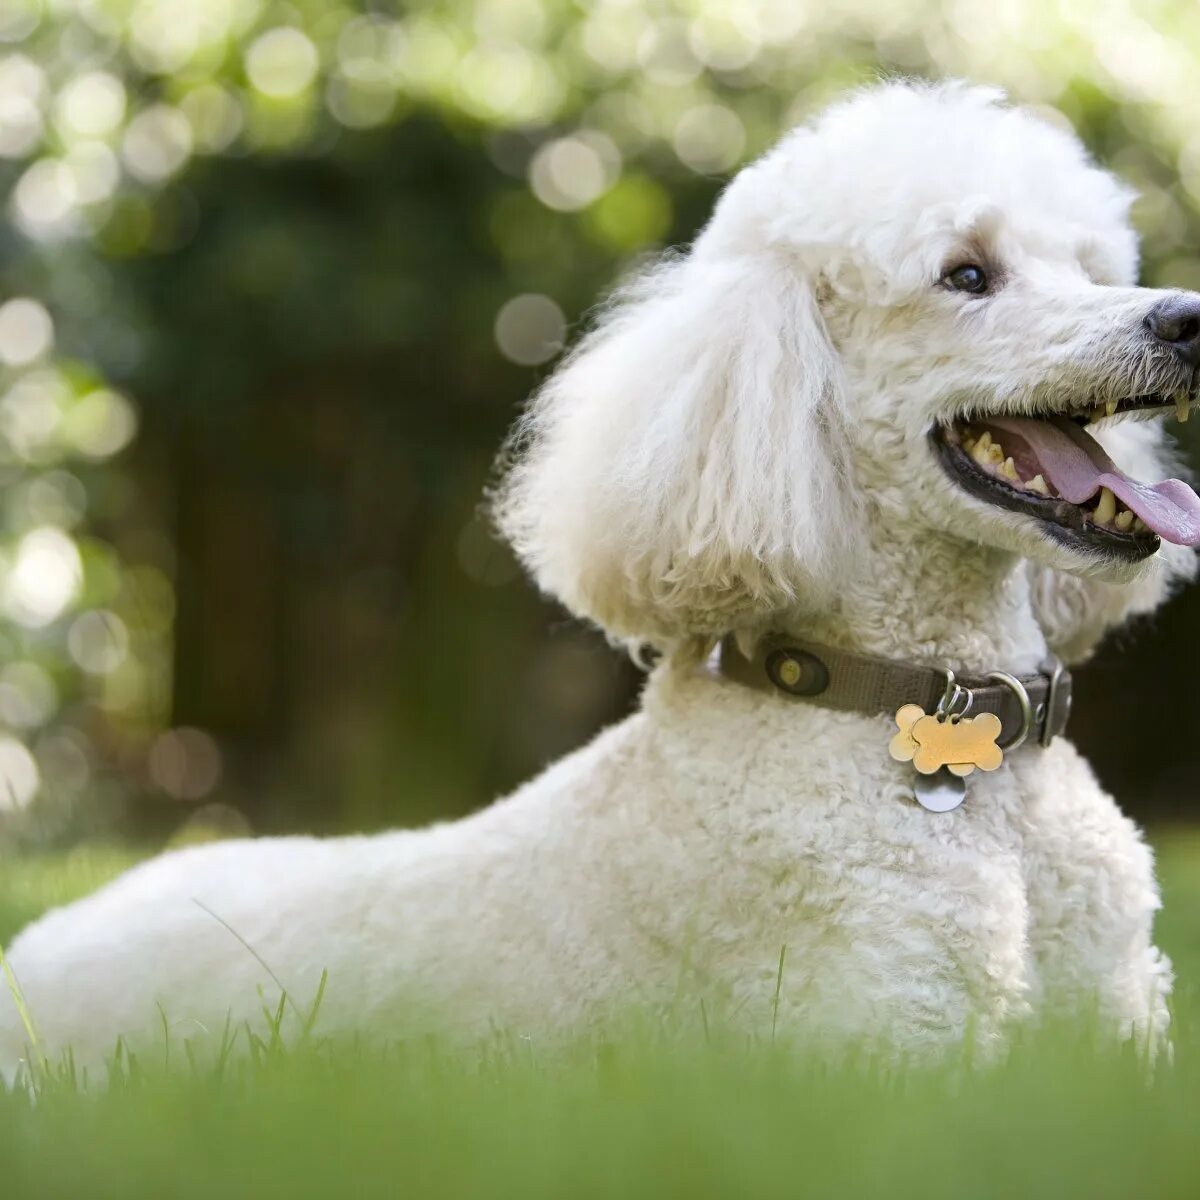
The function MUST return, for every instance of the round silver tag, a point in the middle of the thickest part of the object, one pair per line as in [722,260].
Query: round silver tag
[941,791]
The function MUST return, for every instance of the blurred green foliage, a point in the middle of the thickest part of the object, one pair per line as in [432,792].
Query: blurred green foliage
[314,255]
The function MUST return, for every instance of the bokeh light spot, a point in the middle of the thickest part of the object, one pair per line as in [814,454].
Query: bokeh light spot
[157,143]
[165,34]
[44,577]
[709,138]
[508,85]
[30,410]
[282,62]
[22,86]
[430,55]
[98,641]
[185,763]
[357,104]
[612,34]
[95,171]
[19,18]
[214,114]
[43,201]
[18,775]
[55,498]
[371,49]
[100,424]
[569,173]
[20,126]
[665,53]
[26,332]
[530,329]
[91,105]
[724,41]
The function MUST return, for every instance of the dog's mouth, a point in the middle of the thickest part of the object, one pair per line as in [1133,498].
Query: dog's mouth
[1052,469]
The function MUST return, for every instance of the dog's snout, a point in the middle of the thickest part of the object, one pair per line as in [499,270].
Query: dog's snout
[1175,322]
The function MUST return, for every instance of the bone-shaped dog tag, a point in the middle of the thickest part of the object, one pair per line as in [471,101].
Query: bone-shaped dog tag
[960,744]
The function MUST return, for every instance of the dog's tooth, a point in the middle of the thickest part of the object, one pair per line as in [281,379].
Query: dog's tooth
[1139,526]
[1038,484]
[1106,509]
[1110,407]
[996,454]
[1182,408]
[1008,469]
[980,454]
[1123,520]
[984,440]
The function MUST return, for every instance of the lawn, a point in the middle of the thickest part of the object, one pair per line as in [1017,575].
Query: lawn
[648,1113]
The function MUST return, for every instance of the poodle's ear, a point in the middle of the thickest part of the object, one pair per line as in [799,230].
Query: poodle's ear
[1074,612]
[684,471]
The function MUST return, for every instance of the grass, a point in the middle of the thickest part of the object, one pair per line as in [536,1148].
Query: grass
[648,1113]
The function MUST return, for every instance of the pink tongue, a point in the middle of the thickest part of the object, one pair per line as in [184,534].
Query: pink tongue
[1078,467]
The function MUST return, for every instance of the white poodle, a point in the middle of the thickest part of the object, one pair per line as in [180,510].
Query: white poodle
[852,418]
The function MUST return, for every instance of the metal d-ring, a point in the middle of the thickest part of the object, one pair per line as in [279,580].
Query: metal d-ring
[947,708]
[1054,668]
[1018,689]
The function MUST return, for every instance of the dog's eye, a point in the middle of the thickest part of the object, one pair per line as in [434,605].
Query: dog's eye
[967,278]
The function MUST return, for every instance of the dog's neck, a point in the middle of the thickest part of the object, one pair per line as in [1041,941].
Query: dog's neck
[932,599]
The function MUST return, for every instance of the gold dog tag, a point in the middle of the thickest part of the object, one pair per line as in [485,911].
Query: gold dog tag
[959,744]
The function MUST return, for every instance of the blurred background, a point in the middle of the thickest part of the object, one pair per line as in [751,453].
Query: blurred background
[275,278]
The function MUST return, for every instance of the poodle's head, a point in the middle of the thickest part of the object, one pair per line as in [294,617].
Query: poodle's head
[899,323]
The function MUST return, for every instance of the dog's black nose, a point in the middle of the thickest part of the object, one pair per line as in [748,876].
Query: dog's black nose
[1175,321]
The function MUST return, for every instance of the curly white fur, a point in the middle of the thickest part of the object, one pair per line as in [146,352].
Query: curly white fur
[740,445]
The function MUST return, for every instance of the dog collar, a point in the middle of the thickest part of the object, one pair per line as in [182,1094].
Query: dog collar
[947,726]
